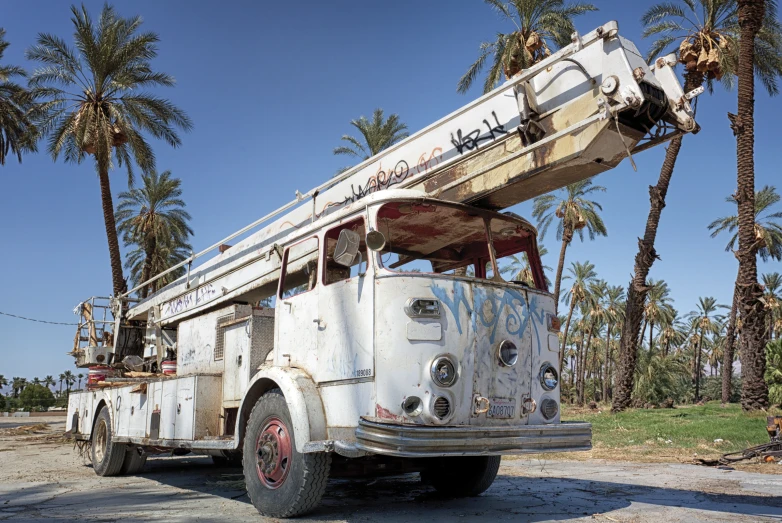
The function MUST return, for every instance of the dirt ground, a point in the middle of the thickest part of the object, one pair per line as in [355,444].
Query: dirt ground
[43,479]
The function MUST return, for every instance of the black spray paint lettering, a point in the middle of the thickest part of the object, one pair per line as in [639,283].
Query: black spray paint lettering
[381,181]
[473,139]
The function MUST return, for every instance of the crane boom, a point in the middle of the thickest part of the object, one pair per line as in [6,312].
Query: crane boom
[576,114]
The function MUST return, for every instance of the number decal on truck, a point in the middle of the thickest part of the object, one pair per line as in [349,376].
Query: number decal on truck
[363,373]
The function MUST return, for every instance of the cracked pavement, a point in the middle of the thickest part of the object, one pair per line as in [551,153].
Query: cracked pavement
[41,480]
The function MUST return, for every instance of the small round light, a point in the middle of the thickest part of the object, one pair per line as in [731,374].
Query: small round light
[507,353]
[412,406]
[443,372]
[549,379]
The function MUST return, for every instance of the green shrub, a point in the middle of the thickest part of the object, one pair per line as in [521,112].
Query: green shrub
[774,371]
[2,402]
[34,396]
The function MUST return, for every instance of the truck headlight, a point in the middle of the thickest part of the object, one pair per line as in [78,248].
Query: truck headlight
[443,371]
[507,353]
[549,378]
[423,308]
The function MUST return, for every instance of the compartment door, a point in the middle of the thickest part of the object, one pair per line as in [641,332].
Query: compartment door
[185,412]
[237,361]
[168,409]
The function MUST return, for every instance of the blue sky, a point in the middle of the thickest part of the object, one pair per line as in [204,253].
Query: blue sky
[271,87]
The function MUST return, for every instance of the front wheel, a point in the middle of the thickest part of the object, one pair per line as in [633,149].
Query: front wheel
[463,476]
[281,481]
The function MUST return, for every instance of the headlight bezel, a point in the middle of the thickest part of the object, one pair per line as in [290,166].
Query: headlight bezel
[434,368]
[544,381]
[514,358]
[431,310]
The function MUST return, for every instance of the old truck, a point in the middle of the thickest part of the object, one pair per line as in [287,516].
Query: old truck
[372,325]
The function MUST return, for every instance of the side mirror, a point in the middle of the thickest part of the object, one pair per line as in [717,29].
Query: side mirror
[347,247]
[375,240]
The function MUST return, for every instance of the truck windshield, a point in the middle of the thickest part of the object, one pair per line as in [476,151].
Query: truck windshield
[426,237]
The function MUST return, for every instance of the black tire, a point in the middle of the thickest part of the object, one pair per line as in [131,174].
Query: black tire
[107,456]
[134,461]
[293,483]
[462,477]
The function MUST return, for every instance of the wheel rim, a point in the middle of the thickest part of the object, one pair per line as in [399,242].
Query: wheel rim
[274,453]
[101,439]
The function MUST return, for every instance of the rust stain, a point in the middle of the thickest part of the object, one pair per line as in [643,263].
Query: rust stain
[444,178]
[384,413]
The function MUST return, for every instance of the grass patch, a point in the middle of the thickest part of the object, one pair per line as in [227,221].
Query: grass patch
[669,435]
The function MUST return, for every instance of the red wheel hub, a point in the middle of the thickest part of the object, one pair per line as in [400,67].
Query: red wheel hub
[274,453]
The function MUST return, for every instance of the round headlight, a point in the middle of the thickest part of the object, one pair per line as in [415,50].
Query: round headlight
[443,371]
[548,377]
[507,353]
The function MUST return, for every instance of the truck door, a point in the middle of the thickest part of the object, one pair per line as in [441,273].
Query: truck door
[345,330]
[297,307]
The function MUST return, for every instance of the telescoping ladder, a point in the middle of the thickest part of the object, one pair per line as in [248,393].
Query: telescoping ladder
[576,114]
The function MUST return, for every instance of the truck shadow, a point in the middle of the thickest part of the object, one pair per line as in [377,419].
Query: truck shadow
[401,498]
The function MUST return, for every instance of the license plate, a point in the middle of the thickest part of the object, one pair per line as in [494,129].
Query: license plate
[501,408]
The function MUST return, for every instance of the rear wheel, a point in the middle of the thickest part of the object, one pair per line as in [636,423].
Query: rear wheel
[107,456]
[463,476]
[281,482]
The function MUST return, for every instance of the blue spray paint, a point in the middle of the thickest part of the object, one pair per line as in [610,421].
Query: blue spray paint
[511,300]
[453,303]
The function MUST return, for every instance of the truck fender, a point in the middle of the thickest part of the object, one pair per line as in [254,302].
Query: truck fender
[301,395]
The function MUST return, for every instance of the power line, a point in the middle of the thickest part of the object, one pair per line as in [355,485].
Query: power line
[38,321]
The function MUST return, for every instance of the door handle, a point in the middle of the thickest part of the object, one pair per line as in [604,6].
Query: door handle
[320,322]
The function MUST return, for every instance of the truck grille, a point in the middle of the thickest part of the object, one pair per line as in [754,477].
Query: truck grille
[442,407]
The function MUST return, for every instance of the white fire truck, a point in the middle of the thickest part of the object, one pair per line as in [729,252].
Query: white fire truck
[369,326]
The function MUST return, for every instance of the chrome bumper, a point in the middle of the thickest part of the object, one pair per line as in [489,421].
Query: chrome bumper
[417,441]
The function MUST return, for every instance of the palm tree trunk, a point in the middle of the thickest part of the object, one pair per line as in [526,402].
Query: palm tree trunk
[727,355]
[636,291]
[117,279]
[754,390]
[607,364]
[146,272]
[651,337]
[567,237]
[698,369]
[564,335]
[582,372]
[643,331]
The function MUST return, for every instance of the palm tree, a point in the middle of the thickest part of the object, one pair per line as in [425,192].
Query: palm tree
[69,380]
[520,270]
[17,132]
[613,314]
[151,217]
[18,385]
[3,382]
[95,103]
[539,25]
[657,308]
[62,378]
[753,16]
[48,381]
[772,299]
[582,274]
[36,381]
[693,27]
[575,213]
[705,324]
[378,134]
[768,232]
[80,377]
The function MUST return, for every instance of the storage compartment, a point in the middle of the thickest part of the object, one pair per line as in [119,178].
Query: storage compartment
[200,344]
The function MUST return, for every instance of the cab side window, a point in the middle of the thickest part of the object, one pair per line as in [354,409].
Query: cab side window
[334,271]
[300,268]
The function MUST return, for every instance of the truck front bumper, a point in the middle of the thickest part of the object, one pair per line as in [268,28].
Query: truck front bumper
[417,441]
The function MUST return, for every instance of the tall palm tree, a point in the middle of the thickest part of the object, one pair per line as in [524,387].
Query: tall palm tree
[17,132]
[48,381]
[613,313]
[3,382]
[69,379]
[377,134]
[95,103]
[582,274]
[768,233]
[18,385]
[518,268]
[36,380]
[152,217]
[657,308]
[692,27]
[539,25]
[575,213]
[753,16]
[705,324]
[62,378]
[80,377]
[772,299]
